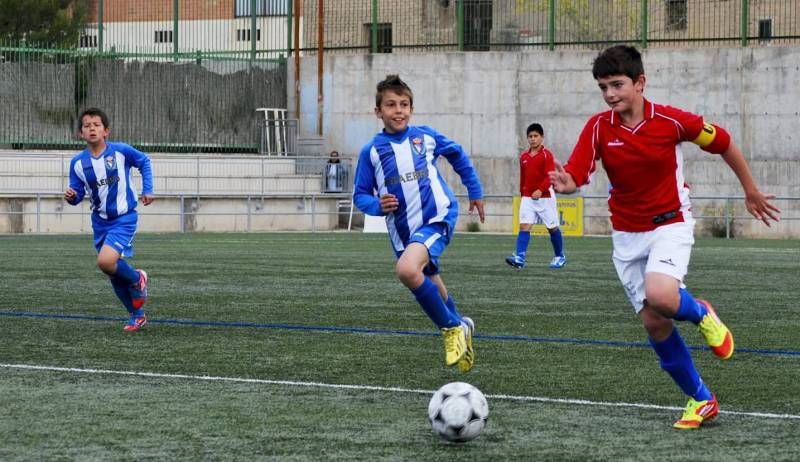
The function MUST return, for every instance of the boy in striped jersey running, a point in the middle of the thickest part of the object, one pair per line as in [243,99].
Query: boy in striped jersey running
[102,172]
[397,178]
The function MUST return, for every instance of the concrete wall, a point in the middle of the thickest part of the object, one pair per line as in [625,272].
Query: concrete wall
[485,100]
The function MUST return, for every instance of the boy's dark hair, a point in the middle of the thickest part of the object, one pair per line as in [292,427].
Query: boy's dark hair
[392,82]
[618,60]
[93,111]
[535,128]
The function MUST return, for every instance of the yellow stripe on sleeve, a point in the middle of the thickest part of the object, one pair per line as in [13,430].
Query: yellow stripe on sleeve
[706,136]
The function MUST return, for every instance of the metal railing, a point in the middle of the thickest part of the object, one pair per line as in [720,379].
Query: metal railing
[716,216]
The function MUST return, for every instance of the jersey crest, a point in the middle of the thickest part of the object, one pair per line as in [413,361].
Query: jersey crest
[419,146]
[111,162]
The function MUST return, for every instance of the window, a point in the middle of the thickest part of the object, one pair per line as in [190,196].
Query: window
[163,36]
[243,35]
[384,36]
[263,8]
[765,29]
[477,24]
[676,15]
[88,41]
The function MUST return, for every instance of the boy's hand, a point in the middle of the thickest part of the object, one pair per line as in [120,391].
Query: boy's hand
[759,205]
[147,199]
[477,204]
[561,180]
[536,194]
[69,195]
[389,203]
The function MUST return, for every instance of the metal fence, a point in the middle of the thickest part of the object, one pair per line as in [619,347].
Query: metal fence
[387,26]
[189,76]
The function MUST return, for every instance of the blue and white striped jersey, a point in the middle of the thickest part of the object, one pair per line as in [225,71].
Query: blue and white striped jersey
[107,179]
[404,164]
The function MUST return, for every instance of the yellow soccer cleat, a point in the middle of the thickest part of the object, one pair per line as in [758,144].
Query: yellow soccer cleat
[718,337]
[697,413]
[466,363]
[455,344]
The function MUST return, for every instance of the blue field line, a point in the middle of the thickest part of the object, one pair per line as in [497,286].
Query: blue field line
[372,331]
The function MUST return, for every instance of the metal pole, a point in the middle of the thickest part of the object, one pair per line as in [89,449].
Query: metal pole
[320,51]
[253,31]
[727,218]
[297,62]
[248,213]
[745,20]
[100,25]
[460,24]
[551,25]
[38,213]
[289,13]
[645,25]
[175,16]
[313,213]
[374,28]
[182,216]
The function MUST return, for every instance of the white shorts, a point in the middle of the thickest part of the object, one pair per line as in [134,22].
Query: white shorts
[538,211]
[666,249]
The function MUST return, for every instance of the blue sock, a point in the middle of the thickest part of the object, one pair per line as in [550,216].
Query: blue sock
[558,242]
[689,309]
[126,272]
[523,238]
[138,313]
[428,297]
[121,290]
[451,306]
[677,362]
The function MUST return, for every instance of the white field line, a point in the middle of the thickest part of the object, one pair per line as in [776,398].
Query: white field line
[577,402]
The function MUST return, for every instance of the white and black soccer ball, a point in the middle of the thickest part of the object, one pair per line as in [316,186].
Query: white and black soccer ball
[458,412]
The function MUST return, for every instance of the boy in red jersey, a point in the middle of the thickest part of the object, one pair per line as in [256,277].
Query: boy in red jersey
[537,199]
[639,144]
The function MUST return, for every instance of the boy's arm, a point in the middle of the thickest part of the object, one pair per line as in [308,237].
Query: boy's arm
[549,166]
[364,185]
[715,139]
[756,202]
[562,181]
[76,190]
[458,158]
[142,162]
[581,164]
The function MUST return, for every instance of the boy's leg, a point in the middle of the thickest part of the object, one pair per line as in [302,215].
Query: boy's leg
[517,260]
[466,363]
[428,297]
[523,239]
[670,256]
[114,241]
[120,287]
[676,360]
[547,212]
[559,259]
[419,258]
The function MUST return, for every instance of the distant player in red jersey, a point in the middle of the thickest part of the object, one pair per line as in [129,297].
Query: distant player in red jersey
[537,199]
[638,143]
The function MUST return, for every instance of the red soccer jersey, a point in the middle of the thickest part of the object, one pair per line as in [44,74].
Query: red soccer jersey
[644,164]
[533,172]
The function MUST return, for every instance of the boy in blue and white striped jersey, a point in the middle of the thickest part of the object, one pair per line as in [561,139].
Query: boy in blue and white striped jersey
[397,178]
[103,172]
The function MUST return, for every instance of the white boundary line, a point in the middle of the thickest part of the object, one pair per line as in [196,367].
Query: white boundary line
[580,402]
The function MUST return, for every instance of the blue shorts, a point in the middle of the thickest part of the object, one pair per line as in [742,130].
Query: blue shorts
[117,233]
[435,238]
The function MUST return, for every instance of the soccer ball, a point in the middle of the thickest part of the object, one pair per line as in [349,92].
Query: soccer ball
[458,412]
